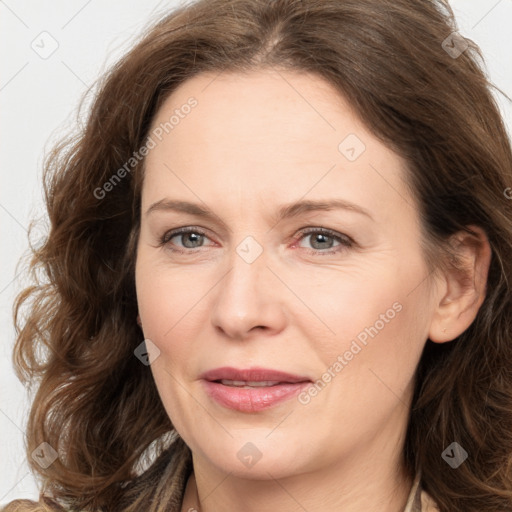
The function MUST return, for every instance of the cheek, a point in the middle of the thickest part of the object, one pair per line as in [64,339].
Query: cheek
[366,370]
[373,318]
[170,302]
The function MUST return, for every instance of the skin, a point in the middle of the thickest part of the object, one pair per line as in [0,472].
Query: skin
[253,143]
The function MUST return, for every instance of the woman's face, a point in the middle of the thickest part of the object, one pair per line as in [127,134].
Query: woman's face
[346,305]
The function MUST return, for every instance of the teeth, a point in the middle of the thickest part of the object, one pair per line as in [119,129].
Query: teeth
[249,383]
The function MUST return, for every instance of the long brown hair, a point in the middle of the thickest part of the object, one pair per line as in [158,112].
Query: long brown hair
[98,406]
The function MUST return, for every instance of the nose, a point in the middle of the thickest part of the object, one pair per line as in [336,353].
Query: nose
[249,300]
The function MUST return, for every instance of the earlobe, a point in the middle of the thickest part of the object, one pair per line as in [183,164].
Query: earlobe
[465,283]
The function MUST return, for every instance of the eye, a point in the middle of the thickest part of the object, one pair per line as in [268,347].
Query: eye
[323,239]
[191,238]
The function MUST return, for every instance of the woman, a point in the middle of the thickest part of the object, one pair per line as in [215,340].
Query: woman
[200,348]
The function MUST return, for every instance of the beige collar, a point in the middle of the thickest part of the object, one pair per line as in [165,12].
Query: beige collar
[419,500]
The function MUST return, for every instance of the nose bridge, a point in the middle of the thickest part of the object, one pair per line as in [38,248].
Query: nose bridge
[245,298]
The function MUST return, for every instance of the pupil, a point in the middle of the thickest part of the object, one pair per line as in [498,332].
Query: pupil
[320,238]
[194,236]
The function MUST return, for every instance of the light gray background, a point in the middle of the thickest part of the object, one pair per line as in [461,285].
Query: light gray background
[38,101]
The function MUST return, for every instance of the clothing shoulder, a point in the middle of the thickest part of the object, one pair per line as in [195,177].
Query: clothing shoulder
[31,506]
[427,503]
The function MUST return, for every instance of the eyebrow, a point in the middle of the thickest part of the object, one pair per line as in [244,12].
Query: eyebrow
[286,211]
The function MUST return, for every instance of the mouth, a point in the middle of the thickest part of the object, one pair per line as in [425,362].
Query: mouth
[252,376]
[251,390]
[249,384]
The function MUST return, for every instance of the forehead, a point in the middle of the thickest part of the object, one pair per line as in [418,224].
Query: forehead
[260,110]
[265,134]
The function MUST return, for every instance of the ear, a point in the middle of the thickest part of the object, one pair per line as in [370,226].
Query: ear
[462,289]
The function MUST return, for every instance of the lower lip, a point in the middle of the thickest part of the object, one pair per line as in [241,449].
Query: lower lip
[254,399]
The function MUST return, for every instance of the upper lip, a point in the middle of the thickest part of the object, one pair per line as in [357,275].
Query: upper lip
[251,374]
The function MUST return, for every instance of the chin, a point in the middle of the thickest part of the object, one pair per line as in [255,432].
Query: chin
[255,457]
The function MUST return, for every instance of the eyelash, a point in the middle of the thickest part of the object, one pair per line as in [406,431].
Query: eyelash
[345,241]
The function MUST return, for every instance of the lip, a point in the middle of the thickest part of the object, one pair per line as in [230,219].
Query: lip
[257,398]
[252,374]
